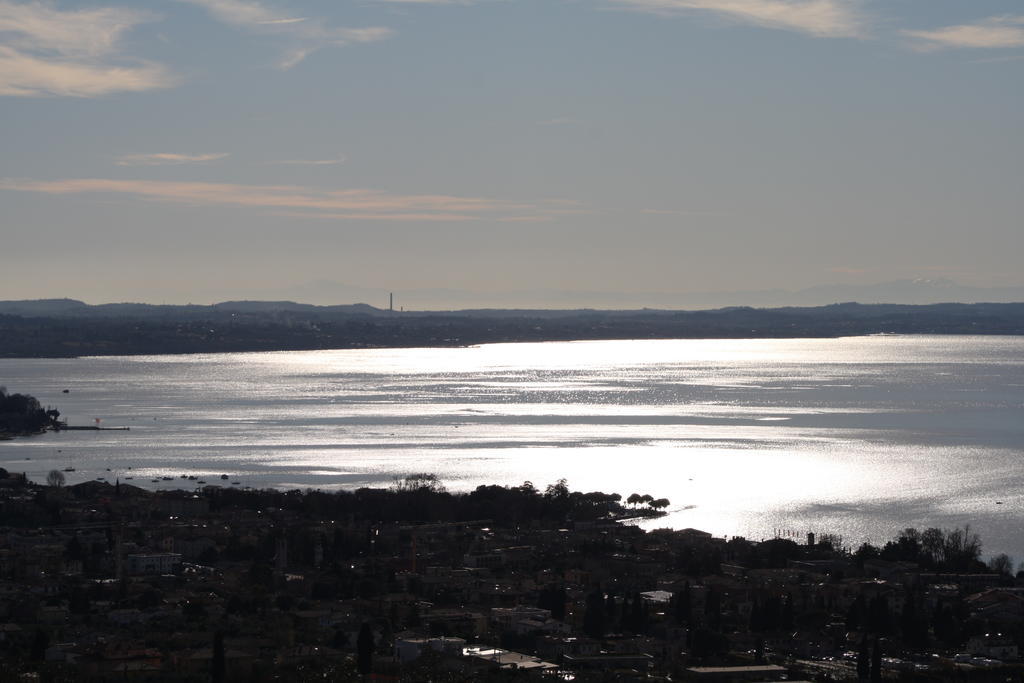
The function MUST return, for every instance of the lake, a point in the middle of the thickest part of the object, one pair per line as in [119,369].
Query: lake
[857,436]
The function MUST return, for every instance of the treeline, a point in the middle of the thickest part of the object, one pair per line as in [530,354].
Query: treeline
[423,499]
[246,326]
[23,414]
[950,550]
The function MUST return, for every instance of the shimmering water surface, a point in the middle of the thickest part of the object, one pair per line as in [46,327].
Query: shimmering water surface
[856,436]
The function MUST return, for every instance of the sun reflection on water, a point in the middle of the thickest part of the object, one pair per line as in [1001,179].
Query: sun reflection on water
[858,435]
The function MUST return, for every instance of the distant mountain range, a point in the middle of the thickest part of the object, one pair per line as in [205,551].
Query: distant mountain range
[72,308]
[65,327]
[916,291]
[323,296]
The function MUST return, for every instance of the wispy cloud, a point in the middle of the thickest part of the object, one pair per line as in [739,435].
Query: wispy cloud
[993,32]
[85,32]
[167,159]
[426,217]
[305,202]
[304,35]
[823,18]
[47,51]
[25,75]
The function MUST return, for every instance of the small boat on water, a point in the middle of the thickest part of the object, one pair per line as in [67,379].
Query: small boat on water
[223,476]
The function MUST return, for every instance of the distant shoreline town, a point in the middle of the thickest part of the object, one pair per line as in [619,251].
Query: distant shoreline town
[61,328]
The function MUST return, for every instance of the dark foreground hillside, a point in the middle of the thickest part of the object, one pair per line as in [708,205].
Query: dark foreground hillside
[70,328]
[109,582]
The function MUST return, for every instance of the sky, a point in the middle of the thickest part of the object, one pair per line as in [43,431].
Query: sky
[202,150]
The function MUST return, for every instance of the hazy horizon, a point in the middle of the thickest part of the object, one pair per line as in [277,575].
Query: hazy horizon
[919,292]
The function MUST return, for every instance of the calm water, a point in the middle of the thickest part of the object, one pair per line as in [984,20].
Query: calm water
[858,436]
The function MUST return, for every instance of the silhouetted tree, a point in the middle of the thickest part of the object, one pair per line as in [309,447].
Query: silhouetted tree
[876,662]
[40,641]
[364,650]
[55,478]
[560,489]
[865,552]
[855,615]
[594,619]
[948,627]
[879,616]
[681,605]
[907,547]
[713,609]
[217,664]
[756,617]
[864,660]
[637,620]
[914,628]
[1001,564]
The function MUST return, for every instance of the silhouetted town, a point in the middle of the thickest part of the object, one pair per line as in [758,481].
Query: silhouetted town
[106,581]
[67,328]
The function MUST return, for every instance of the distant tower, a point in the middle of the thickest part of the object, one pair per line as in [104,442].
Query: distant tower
[810,540]
[391,302]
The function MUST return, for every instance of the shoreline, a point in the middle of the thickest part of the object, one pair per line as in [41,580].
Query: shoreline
[468,345]
[273,328]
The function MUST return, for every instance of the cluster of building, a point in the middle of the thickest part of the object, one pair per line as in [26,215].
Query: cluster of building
[103,581]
